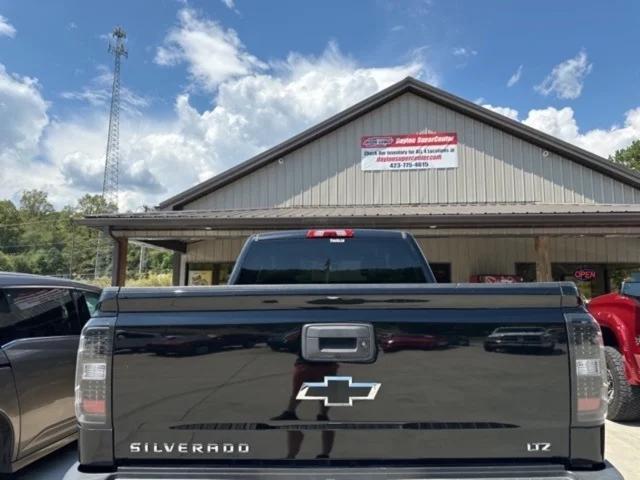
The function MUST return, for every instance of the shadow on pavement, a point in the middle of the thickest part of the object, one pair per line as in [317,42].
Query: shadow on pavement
[630,424]
[51,467]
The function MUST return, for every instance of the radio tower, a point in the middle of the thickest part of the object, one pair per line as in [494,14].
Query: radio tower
[112,158]
[110,182]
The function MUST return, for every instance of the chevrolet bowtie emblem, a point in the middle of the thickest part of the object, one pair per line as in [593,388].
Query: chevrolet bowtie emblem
[338,391]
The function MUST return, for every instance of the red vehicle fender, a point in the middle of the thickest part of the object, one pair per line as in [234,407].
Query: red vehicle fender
[619,314]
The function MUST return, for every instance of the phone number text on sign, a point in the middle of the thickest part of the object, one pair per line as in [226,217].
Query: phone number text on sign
[409,152]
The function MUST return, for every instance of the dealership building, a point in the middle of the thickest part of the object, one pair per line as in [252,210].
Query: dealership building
[488,198]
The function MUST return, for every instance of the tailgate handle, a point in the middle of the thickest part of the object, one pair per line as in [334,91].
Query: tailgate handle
[338,342]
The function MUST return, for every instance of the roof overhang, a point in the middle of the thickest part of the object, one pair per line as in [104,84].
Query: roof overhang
[396,217]
[421,89]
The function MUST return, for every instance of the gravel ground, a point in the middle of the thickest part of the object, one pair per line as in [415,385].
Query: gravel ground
[623,450]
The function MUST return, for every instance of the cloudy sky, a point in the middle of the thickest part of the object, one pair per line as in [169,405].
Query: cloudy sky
[208,83]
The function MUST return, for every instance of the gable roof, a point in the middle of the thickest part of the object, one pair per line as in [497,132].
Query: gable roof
[421,89]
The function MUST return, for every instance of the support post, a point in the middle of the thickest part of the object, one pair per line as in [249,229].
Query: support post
[119,265]
[543,262]
[177,270]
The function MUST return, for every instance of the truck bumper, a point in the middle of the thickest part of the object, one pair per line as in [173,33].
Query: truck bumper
[347,473]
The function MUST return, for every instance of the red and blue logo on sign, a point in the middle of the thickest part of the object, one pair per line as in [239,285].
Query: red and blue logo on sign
[373,142]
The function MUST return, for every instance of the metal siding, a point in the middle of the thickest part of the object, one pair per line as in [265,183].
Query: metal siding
[493,167]
[218,250]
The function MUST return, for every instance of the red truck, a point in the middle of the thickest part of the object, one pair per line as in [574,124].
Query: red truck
[619,317]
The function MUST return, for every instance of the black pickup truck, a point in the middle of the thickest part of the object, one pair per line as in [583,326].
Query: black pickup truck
[333,354]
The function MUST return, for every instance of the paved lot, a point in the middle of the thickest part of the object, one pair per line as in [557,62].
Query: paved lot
[623,450]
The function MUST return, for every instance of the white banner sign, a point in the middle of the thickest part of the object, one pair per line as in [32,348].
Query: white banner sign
[409,152]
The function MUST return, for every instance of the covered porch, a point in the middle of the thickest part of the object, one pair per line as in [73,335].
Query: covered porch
[536,242]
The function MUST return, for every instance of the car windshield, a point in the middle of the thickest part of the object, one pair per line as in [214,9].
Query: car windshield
[631,289]
[335,260]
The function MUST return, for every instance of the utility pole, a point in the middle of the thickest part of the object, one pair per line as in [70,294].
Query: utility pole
[73,246]
[141,263]
[118,48]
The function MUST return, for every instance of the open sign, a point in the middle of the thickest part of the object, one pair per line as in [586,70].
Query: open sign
[585,274]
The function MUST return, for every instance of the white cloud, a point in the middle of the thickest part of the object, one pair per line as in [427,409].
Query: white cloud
[464,52]
[561,123]
[6,29]
[212,53]
[255,112]
[567,78]
[251,112]
[98,93]
[24,111]
[79,164]
[506,111]
[25,117]
[230,4]
[515,78]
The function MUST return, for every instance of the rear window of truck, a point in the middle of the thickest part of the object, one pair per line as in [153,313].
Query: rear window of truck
[332,260]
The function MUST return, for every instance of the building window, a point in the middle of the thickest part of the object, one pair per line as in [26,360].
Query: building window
[442,272]
[527,271]
[592,279]
[208,273]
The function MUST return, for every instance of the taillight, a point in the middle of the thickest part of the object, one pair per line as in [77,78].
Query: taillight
[589,369]
[93,372]
[330,233]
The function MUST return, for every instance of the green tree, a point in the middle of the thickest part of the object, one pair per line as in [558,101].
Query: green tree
[6,262]
[35,203]
[10,225]
[37,238]
[629,157]
[92,204]
[82,245]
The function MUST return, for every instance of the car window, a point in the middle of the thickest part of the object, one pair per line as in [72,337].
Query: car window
[90,299]
[354,260]
[38,312]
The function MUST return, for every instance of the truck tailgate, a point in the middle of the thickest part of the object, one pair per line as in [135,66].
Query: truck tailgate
[476,374]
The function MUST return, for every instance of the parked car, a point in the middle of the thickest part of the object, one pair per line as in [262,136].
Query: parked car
[40,323]
[336,407]
[136,341]
[394,342]
[520,338]
[179,343]
[619,317]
